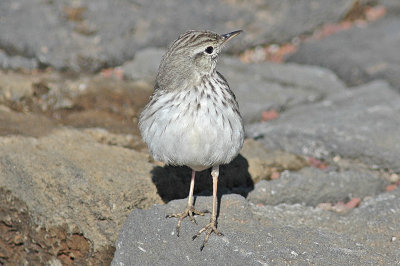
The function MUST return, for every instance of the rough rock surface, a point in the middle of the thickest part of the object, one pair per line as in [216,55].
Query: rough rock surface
[355,59]
[67,177]
[144,65]
[24,242]
[262,235]
[17,62]
[260,87]
[41,99]
[312,186]
[94,34]
[24,124]
[264,164]
[393,6]
[362,123]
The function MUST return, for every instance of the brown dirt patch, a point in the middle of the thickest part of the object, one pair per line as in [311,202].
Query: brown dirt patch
[79,101]
[24,242]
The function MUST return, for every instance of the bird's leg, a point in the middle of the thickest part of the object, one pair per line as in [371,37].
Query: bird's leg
[189,208]
[211,227]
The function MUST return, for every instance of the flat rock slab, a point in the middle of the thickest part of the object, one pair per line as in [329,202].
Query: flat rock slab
[392,6]
[252,235]
[93,34]
[372,224]
[24,124]
[265,86]
[358,55]
[312,186]
[362,124]
[68,177]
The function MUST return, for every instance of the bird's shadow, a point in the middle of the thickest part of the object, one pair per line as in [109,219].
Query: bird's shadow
[173,182]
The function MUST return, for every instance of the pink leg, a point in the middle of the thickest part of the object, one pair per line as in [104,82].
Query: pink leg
[212,226]
[189,208]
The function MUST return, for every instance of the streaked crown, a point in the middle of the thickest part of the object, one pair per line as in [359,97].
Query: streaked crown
[190,57]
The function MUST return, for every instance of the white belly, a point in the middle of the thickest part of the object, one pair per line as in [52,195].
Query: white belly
[199,133]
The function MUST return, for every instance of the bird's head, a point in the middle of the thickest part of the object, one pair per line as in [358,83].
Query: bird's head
[192,56]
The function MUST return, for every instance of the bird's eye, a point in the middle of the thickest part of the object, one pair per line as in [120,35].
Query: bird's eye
[209,50]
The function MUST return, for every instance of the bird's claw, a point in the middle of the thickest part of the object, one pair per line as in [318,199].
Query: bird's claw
[208,229]
[189,211]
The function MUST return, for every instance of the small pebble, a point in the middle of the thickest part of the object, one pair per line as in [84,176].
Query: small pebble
[336,158]
[391,187]
[325,206]
[394,178]
[275,175]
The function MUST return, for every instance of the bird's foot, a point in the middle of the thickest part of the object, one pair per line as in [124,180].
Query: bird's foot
[208,229]
[189,211]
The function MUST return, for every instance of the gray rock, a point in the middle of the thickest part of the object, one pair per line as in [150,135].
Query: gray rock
[144,65]
[362,123]
[378,223]
[358,55]
[93,34]
[267,21]
[263,86]
[67,177]
[17,62]
[373,224]
[252,235]
[392,6]
[312,186]
[44,30]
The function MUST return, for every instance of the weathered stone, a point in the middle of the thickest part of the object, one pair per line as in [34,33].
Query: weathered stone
[67,177]
[356,55]
[144,65]
[392,6]
[13,123]
[255,235]
[94,34]
[362,123]
[17,62]
[264,163]
[265,86]
[312,186]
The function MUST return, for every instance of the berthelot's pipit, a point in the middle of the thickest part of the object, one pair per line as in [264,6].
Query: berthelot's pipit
[193,118]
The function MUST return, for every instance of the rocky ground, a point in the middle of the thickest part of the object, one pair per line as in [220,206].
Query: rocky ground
[315,183]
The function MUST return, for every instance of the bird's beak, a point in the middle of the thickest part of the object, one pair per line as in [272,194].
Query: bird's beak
[226,37]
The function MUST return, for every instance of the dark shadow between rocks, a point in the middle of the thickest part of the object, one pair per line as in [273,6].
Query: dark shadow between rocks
[173,182]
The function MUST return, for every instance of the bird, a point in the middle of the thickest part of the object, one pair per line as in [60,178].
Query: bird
[193,118]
